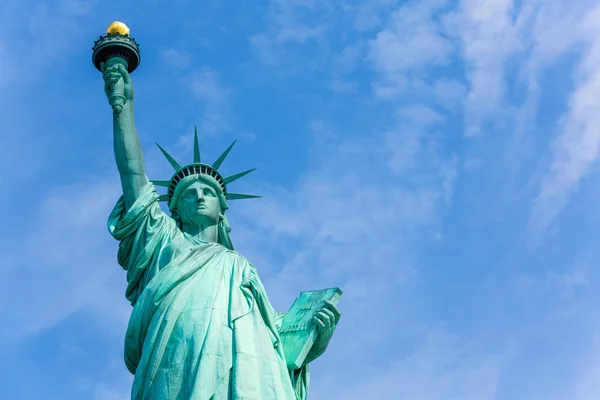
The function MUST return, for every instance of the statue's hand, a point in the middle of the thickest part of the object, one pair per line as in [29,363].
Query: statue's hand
[326,320]
[112,75]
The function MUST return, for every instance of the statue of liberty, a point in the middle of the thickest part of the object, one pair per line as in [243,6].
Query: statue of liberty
[202,326]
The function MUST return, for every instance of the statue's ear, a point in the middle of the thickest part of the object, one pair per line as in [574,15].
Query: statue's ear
[224,222]
[177,218]
[175,212]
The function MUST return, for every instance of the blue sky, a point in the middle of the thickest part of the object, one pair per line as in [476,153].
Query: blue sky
[436,159]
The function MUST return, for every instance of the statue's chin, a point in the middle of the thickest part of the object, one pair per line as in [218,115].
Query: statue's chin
[201,220]
[199,216]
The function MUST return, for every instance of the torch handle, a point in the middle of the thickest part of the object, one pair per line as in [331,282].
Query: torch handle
[116,98]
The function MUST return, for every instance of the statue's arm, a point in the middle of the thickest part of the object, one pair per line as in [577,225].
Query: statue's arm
[127,147]
[128,155]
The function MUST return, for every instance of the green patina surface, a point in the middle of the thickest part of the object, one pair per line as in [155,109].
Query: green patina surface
[202,326]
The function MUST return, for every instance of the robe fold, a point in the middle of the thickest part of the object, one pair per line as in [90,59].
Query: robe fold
[202,326]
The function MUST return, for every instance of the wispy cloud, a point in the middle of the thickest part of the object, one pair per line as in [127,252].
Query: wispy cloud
[586,385]
[77,7]
[489,37]
[65,243]
[441,367]
[577,146]
[205,85]
[55,30]
[176,59]
[116,385]
[289,23]
[412,40]
[370,15]
[450,94]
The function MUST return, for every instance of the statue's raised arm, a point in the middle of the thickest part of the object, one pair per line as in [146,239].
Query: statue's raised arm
[127,147]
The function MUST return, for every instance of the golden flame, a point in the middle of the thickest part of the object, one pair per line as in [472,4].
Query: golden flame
[118,27]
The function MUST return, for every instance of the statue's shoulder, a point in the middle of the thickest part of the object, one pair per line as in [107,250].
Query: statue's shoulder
[178,241]
[235,255]
[177,245]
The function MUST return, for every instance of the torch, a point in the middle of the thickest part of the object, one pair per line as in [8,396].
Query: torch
[112,48]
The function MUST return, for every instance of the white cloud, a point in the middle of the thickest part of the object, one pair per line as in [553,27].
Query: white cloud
[339,86]
[442,367]
[577,146]
[103,393]
[178,60]
[450,94]
[343,64]
[586,386]
[77,7]
[412,40]
[369,13]
[63,260]
[408,142]
[116,384]
[205,85]
[568,282]
[294,22]
[55,31]
[489,37]
[554,28]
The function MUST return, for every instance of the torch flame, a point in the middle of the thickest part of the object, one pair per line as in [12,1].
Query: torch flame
[118,27]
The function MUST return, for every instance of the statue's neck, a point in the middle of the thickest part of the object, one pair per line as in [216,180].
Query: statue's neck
[206,233]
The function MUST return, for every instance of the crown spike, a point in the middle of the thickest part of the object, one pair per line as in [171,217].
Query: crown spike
[237,176]
[171,160]
[221,158]
[196,147]
[158,182]
[239,196]
[163,197]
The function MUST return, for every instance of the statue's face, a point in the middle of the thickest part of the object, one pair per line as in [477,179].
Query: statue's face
[199,205]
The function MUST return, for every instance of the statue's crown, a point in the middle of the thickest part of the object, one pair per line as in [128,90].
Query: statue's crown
[209,171]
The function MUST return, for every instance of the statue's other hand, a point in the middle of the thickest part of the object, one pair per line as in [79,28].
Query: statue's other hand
[326,320]
[112,75]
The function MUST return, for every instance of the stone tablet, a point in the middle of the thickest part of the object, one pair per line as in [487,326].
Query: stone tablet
[298,331]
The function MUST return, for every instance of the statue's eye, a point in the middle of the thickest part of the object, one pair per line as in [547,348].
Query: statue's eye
[208,192]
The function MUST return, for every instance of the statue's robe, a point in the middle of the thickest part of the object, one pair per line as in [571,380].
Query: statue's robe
[202,326]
